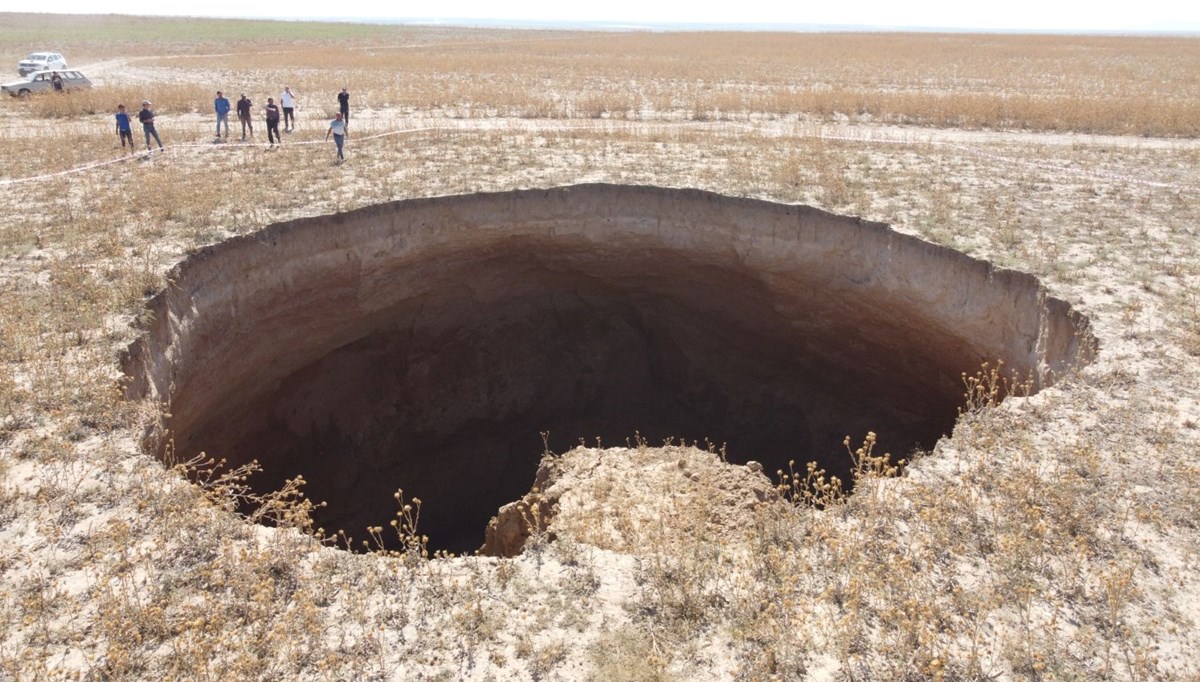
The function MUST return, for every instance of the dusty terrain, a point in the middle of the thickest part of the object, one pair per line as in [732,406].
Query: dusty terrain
[1050,537]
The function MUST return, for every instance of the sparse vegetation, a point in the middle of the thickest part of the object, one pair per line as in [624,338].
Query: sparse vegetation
[1085,84]
[1052,537]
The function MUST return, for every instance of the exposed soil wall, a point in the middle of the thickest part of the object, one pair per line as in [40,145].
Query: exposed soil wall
[425,344]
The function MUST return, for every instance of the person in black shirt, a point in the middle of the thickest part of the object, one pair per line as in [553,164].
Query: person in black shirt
[243,109]
[146,116]
[273,122]
[344,105]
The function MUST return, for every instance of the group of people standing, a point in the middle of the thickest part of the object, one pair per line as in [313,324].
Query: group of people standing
[244,106]
[222,107]
[285,111]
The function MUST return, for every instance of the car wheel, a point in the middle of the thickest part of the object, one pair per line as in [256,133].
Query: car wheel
[23,92]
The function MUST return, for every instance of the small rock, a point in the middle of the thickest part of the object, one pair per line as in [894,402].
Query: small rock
[754,466]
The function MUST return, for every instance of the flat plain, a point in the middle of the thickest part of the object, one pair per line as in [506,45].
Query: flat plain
[1050,537]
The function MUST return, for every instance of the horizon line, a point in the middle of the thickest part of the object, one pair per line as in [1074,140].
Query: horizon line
[658,26]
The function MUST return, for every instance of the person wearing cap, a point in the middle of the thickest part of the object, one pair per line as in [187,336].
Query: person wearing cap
[288,101]
[243,109]
[221,106]
[146,116]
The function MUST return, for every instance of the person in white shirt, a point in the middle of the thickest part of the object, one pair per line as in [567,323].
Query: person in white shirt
[337,128]
[288,101]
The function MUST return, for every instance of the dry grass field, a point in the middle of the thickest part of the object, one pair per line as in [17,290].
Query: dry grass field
[1053,537]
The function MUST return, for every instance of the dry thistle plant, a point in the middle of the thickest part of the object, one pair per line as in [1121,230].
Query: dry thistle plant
[989,385]
[413,547]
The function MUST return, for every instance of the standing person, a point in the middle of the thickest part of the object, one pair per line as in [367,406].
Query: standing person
[344,105]
[273,122]
[288,101]
[124,130]
[56,82]
[337,128]
[146,116]
[221,106]
[243,108]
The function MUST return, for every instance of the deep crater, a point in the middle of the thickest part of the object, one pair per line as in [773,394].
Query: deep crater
[426,344]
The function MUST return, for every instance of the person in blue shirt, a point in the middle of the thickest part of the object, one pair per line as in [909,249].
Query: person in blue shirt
[124,131]
[221,106]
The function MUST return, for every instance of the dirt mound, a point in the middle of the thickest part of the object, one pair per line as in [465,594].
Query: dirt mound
[623,498]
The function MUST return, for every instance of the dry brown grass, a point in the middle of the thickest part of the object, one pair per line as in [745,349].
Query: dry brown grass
[1053,537]
[1093,84]
[1080,84]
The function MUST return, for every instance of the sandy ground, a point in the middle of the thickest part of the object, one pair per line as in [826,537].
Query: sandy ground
[1073,512]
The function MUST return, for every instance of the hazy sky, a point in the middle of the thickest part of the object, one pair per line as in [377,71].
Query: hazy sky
[1052,15]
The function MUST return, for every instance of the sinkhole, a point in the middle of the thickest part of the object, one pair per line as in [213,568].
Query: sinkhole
[427,344]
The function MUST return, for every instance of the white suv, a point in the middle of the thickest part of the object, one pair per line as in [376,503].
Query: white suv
[41,61]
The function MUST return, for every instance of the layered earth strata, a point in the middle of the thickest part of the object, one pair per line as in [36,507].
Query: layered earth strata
[441,345]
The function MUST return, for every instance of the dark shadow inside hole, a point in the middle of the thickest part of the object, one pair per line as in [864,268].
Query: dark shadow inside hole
[445,394]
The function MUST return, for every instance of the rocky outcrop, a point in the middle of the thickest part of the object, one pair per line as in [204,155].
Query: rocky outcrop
[511,527]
